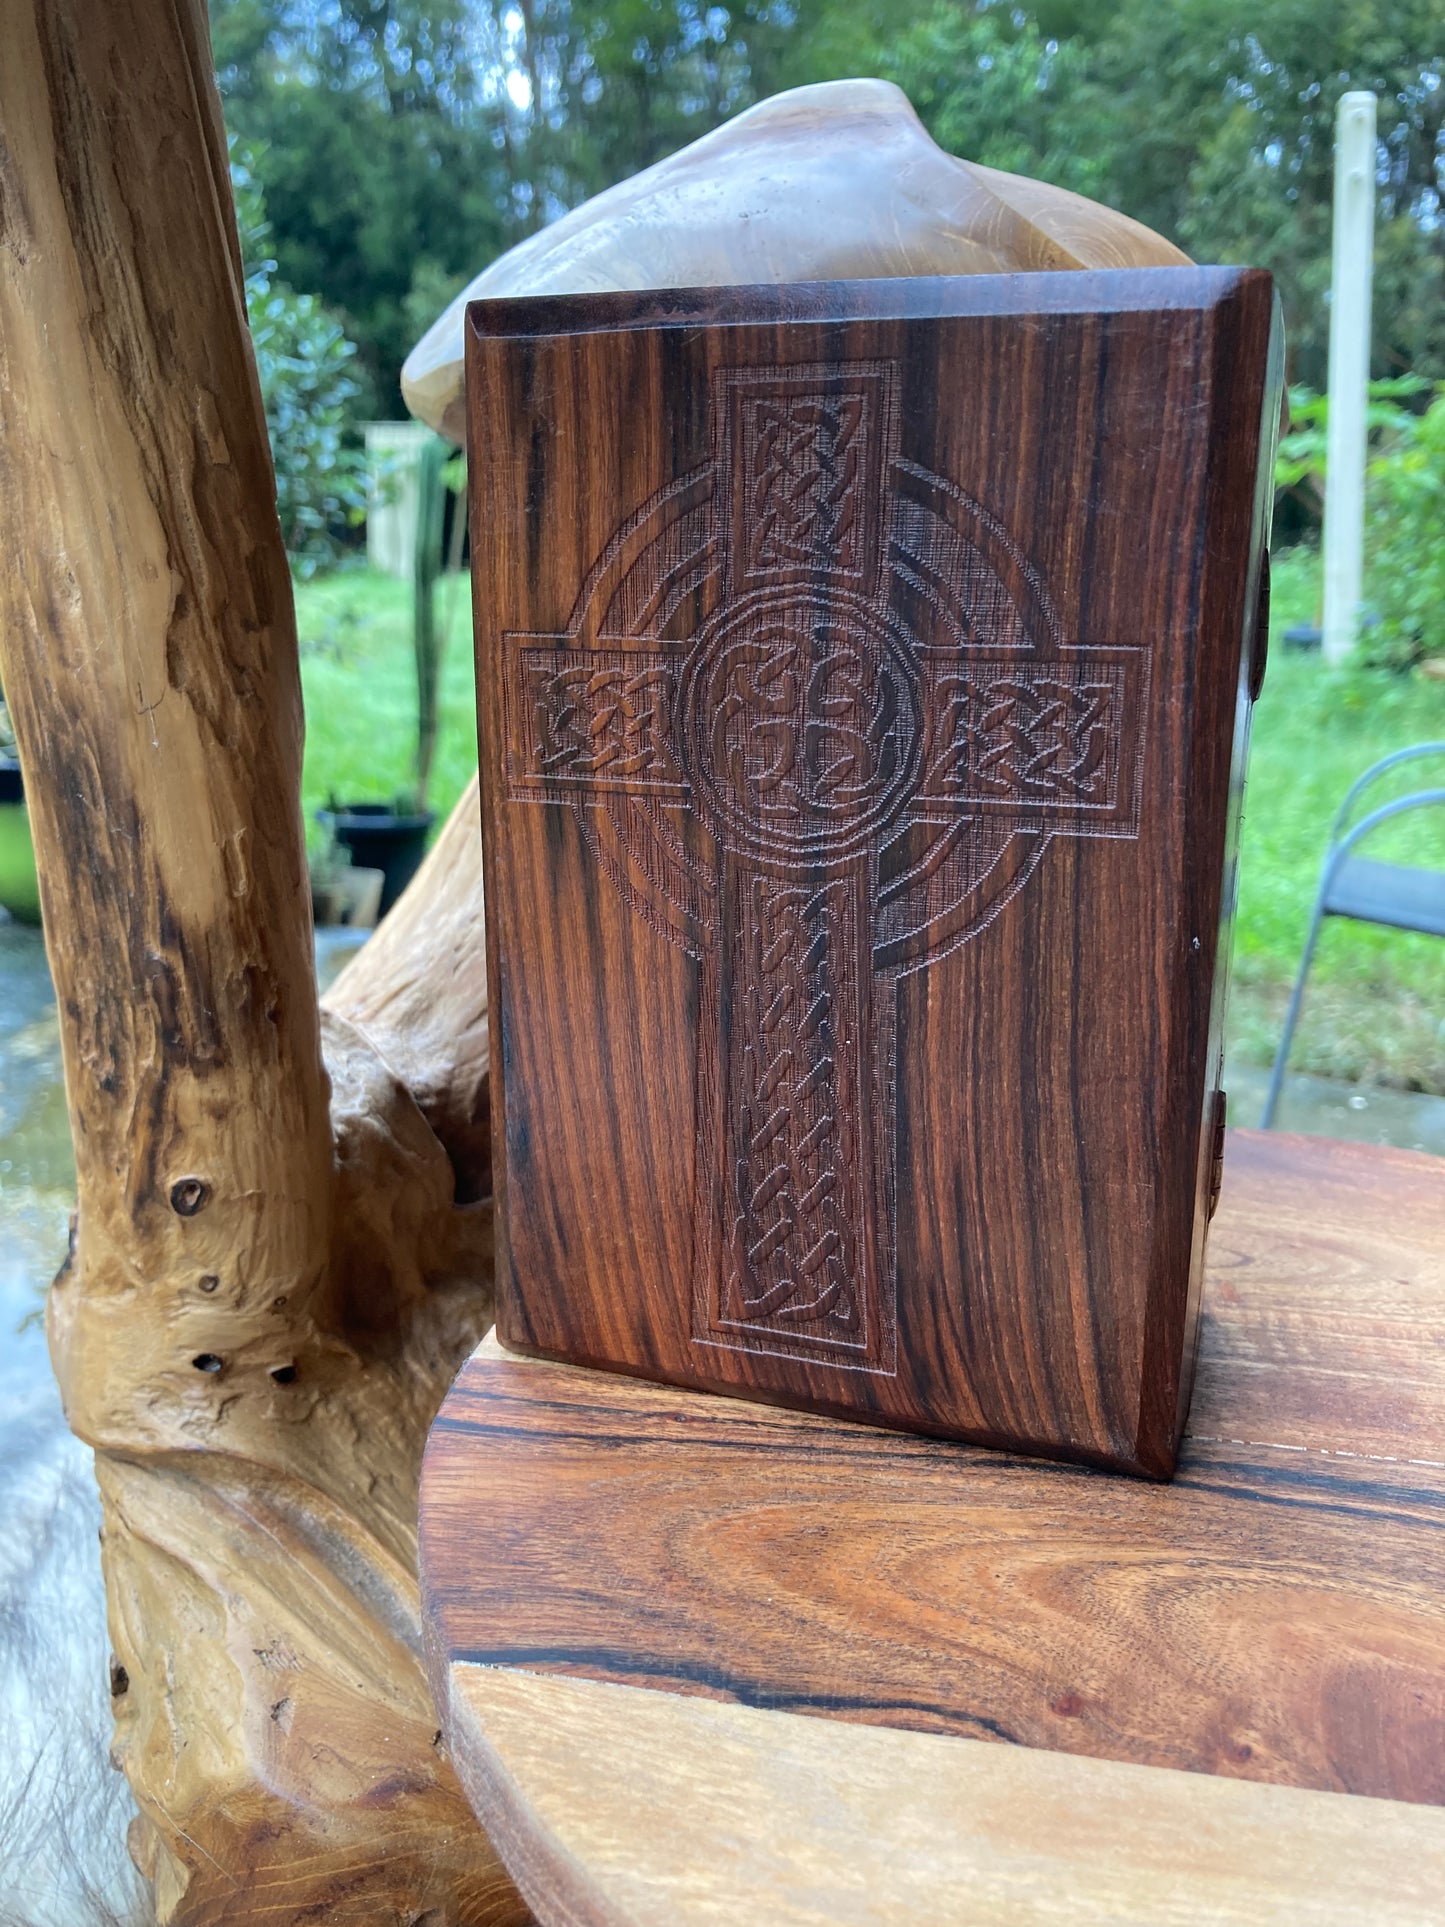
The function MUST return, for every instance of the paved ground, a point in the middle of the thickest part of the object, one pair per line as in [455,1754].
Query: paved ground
[1321,1108]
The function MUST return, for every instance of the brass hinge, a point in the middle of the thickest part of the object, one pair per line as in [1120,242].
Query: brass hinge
[1259,641]
[1216,1160]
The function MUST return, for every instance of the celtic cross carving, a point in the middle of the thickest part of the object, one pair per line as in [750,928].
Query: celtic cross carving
[817,718]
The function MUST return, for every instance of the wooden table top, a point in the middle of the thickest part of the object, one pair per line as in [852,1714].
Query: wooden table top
[1273,1622]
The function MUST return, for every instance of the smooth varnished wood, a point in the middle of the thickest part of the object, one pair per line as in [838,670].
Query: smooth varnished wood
[861,670]
[621,1808]
[1277,1614]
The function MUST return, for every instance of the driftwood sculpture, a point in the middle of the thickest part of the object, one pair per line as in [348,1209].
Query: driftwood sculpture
[282,1244]
[277,1263]
[826,183]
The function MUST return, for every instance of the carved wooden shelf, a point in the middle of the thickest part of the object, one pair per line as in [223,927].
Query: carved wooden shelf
[1276,1615]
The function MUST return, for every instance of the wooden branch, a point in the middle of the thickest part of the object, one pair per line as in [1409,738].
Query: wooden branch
[419,991]
[263,1303]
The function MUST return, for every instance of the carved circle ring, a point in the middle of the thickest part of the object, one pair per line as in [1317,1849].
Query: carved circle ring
[799,724]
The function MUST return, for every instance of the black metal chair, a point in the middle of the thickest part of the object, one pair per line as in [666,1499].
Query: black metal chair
[1401,895]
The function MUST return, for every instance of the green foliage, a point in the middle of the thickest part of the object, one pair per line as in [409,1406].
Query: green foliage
[361,698]
[304,361]
[1299,466]
[1212,122]
[991,86]
[613,85]
[381,124]
[1405,510]
[306,383]
[1406,534]
[1300,462]
[407,142]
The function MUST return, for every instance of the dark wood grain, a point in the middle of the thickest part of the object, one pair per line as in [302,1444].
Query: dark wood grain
[862,669]
[1277,1613]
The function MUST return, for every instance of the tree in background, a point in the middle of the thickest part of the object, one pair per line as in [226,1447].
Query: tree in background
[1404,503]
[1212,121]
[379,125]
[409,141]
[610,86]
[306,369]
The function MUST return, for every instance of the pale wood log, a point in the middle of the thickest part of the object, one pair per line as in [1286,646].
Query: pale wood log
[263,1302]
[823,183]
[617,1807]
[419,990]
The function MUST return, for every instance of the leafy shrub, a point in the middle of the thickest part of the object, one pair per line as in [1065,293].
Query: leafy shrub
[1406,533]
[1404,510]
[307,387]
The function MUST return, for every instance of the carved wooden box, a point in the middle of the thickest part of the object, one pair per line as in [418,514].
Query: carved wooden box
[861,670]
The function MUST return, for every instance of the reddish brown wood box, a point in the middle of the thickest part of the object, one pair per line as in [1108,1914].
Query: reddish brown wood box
[864,675]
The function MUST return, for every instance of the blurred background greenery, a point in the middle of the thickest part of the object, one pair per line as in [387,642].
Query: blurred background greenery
[1376,1008]
[404,143]
[384,151]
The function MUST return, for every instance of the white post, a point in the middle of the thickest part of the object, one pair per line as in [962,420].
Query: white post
[1354,241]
[393,449]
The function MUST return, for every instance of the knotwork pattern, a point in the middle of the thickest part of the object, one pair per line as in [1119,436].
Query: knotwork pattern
[818,720]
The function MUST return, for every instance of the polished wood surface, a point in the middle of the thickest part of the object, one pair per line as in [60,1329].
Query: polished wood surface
[616,1807]
[860,671]
[1277,1614]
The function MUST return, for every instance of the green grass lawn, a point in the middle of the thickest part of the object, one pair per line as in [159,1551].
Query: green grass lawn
[1376,1006]
[359,681]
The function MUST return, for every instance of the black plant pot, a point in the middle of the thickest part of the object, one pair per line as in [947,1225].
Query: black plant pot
[1303,636]
[379,839]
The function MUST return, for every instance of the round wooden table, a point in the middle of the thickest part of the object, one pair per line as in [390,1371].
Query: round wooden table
[702,1661]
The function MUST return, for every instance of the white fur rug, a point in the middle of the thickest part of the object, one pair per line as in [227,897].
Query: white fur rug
[63,1807]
